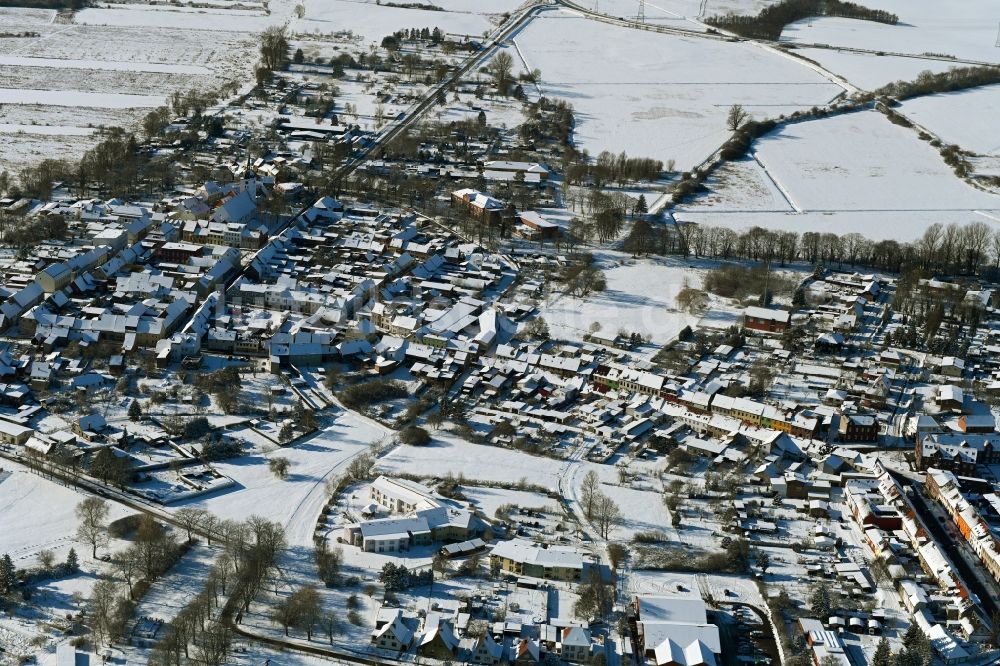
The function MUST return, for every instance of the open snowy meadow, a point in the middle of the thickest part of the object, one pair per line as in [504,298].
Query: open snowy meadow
[660,96]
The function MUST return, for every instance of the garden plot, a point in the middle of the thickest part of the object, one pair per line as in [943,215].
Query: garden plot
[661,96]
[967,118]
[869,71]
[861,161]
[373,21]
[965,30]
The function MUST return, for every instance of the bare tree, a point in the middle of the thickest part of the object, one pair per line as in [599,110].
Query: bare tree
[502,67]
[279,467]
[589,492]
[92,512]
[127,564]
[331,625]
[46,558]
[737,116]
[308,609]
[101,609]
[223,569]
[274,47]
[606,514]
[213,648]
[190,518]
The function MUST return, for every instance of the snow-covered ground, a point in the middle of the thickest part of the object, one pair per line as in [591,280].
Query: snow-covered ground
[966,29]
[661,96]
[294,502]
[967,118]
[37,514]
[448,454]
[861,161]
[641,297]
[869,71]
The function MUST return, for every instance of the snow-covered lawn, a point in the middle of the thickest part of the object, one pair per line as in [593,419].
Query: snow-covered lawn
[968,118]
[38,513]
[641,296]
[488,500]
[448,454]
[660,96]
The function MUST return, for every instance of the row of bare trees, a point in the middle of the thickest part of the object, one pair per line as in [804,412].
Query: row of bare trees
[598,508]
[950,249]
[202,632]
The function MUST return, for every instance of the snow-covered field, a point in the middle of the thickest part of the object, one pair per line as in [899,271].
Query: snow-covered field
[968,118]
[669,12]
[849,173]
[869,71]
[100,70]
[743,185]
[966,29]
[661,96]
[372,21]
[861,161]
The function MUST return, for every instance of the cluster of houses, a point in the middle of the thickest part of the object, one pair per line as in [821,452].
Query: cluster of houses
[919,568]
[131,277]
[445,637]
